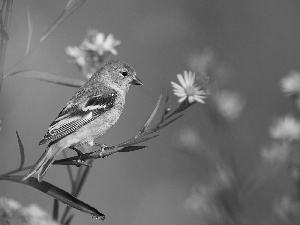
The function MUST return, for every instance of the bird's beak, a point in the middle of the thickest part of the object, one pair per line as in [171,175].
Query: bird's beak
[136,81]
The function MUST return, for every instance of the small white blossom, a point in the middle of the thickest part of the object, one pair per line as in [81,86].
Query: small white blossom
[201,63]
[8,208]
[288,209]
[90,55]
[202,202]
[188,88]
[290,84]
[188,139]
[34,215]
[286,128]
[277,152]
[98,43]
[77,54]
[11,210]
[229,104]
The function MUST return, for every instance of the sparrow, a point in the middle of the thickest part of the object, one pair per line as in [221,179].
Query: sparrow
[92,111]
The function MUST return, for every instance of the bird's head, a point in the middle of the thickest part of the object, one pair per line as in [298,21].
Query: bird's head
[117,74]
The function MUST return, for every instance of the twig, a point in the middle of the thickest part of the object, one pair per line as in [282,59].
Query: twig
[131,144]
[4,35]
[102,153]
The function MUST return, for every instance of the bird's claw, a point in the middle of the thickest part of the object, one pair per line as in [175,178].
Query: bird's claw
[80,162]
[102,146]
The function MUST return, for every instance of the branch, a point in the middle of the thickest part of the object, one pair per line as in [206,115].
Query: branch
[145,133]
[102,153]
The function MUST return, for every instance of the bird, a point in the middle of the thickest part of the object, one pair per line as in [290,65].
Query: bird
[91,112]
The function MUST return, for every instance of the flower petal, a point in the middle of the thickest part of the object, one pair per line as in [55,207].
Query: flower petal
[199,99]
[99,39]
[182,99]
[180,94]
[113,51]
[191,98]
[201,92]
[192,78]
[177,86]
[181,80]
[186,78]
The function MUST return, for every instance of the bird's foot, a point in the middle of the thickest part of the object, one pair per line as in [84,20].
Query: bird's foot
[102,150]
[79,153]
[103,146]
[80,161]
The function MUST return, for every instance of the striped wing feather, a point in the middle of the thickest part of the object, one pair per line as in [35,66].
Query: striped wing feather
[75,116]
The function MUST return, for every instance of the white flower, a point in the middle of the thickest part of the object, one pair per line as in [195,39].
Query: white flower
[34,215]
[286,128]
[78,54]
[229,104]
[288,209]
[188,139]
[277,152]
[202,201]
[12,211]
[188,88]
[8,208]
[97,42]
[202,62]
[290,84]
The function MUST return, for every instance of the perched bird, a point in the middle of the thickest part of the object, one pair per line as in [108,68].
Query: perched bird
[94,108]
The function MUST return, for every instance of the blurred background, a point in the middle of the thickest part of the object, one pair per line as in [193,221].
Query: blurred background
[247,45]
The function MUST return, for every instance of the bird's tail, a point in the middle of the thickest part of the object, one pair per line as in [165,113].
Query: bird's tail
[44,162]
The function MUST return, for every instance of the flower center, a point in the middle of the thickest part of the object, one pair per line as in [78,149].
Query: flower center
[190,91]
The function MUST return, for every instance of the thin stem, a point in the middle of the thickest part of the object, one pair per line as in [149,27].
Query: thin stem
[65,14]
[16,171]
[83,178]
[69,171]
[75,185]
[77,180]
[3,42]
[64,216]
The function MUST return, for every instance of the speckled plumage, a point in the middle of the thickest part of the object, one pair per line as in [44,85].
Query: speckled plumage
[95,108]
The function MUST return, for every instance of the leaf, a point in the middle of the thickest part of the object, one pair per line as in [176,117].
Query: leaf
[140,140]
[83,178]
[183,106]
[146,125]
[22,154]
[167,109]
[49,77]
[169,122]
[29,35]
[57,193]
[55,209]
[132,148]
[69,170]
[69,10]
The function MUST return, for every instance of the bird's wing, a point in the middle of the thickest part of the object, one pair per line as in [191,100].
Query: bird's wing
[76,115]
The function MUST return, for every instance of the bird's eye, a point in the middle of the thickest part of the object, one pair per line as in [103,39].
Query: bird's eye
[124,73]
